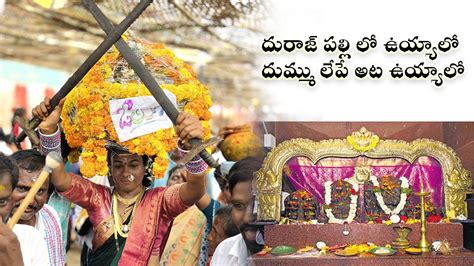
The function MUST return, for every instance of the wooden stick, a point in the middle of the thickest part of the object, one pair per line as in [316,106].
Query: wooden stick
[90,61]
[53,160]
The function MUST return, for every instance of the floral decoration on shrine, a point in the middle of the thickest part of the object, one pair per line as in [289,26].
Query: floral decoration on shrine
[337,196]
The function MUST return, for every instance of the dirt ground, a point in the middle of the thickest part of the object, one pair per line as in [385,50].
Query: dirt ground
[74,256]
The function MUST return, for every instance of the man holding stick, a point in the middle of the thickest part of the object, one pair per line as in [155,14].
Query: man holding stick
[38,214]
[33,247]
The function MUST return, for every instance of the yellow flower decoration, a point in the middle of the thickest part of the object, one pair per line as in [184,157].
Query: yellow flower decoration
[86,115]
[363,140]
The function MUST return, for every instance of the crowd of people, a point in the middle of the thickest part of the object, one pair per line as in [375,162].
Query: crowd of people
[124,218]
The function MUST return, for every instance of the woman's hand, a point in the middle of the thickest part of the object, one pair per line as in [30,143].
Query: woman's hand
[50,122]
[188,127]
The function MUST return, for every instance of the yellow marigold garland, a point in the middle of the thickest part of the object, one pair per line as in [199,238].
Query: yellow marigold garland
[86,115]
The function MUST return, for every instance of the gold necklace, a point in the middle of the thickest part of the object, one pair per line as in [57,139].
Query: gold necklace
[126,201]
[119,228]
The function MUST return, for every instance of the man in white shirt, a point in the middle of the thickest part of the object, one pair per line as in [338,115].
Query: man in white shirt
[237,249]
[231,251]
[9,247]
[33,247]
[38,214]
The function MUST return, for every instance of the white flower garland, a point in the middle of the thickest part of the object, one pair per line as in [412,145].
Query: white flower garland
[352,206]
[403,196]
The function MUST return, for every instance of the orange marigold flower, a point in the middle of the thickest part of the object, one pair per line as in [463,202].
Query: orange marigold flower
[86,116]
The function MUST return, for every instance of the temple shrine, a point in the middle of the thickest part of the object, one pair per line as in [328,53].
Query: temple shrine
[363,200]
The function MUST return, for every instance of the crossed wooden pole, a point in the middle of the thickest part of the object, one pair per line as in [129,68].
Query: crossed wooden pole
[114,37]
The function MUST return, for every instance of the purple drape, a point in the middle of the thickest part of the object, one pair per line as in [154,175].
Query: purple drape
[302,173]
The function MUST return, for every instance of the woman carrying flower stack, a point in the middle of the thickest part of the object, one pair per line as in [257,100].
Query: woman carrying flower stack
[130,222]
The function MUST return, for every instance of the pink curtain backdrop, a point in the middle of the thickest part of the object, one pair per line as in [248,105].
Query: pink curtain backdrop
[302,173]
